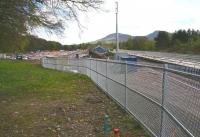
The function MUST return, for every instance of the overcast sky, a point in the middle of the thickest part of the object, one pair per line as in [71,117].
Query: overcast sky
[136,17]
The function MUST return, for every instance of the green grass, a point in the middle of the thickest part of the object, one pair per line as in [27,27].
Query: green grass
[20,79]
[41,102]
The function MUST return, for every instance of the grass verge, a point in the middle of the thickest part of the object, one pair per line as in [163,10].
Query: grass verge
[39,102]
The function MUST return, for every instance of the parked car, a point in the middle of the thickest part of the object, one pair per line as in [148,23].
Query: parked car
[19,57]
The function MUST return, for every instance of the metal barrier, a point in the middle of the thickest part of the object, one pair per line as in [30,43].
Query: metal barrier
[164,100]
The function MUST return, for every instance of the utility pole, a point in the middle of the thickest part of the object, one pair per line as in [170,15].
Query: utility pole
[117,35]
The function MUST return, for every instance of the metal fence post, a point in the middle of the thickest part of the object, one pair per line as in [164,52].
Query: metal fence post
[63,64]
[78,66]
[67,66]
[90,68]
[42,61]
[163,98]
[55,63]
[97,72]
[125,85]
[106,75]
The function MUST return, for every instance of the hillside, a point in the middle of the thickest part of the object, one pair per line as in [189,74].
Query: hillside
[152,35]
[111,38]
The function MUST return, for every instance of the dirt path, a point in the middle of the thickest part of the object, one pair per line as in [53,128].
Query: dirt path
[58,118]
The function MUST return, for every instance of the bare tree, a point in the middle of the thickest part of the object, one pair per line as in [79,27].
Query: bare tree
[18,17]
[52,14]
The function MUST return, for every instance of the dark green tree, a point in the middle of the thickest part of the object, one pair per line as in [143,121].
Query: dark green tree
[181,35]
[162,40]
[129,44]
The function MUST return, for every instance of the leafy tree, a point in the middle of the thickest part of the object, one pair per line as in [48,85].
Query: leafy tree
[181,41]
[162,40]
[149,45]
[181,35]
[129,44]
[138,43]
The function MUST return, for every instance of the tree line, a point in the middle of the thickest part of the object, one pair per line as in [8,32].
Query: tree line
[181,41]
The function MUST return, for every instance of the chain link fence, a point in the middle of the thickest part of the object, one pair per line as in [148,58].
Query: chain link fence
[164,100]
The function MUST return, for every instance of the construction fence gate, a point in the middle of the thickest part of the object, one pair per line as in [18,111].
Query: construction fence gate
[165,101]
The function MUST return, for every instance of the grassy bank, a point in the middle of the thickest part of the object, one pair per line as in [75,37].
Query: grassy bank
[39,102]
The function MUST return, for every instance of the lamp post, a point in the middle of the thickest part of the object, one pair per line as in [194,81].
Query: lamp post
[117,35]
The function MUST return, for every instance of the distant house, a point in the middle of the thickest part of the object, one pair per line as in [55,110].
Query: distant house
[99,51]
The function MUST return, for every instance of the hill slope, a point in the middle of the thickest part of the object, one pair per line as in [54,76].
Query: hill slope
[152,35]
[111,38]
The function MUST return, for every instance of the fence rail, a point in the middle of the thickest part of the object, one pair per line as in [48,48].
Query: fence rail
[165,101]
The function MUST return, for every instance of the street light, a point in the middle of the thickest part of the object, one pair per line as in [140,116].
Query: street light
[117,35]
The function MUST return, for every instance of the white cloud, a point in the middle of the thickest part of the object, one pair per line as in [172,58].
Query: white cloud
[136,17]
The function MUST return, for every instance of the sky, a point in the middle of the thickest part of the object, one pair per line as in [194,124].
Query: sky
[136,18]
